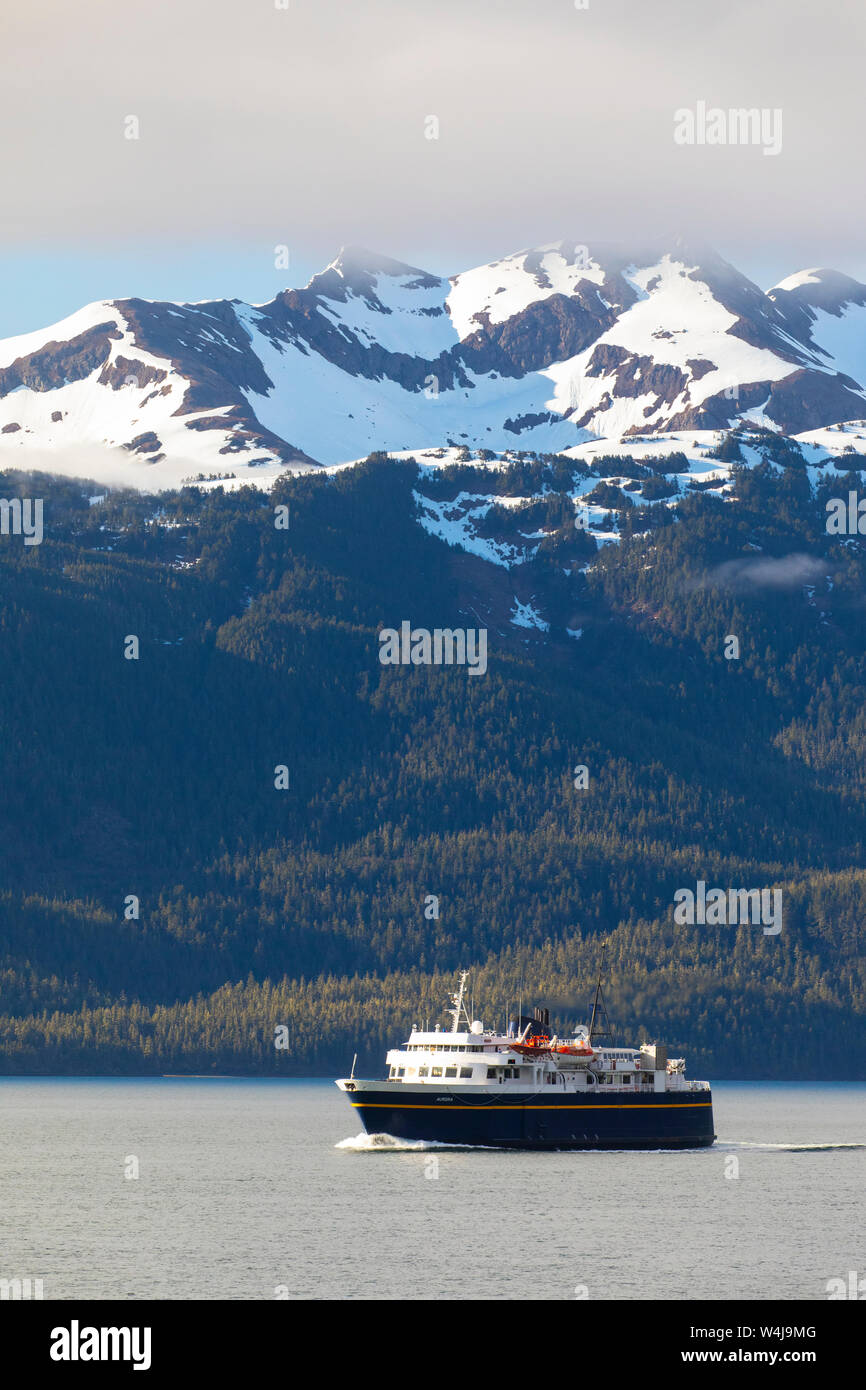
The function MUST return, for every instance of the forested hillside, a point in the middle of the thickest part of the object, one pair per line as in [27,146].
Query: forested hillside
[312,905]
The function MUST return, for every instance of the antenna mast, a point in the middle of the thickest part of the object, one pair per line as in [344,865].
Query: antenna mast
[457,1001]
[605,1033]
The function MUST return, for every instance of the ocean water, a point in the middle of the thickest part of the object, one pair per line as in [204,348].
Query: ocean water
[264,1189]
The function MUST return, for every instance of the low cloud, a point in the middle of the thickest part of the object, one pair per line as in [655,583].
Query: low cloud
[307,125]
[751,573]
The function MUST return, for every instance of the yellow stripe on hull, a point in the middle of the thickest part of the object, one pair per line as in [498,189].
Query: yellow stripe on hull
[517,1105]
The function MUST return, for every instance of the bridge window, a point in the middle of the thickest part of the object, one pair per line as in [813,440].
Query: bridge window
[465,1073]
[450,1071]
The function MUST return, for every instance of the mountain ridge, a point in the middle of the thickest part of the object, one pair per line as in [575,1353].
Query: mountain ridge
[546,349]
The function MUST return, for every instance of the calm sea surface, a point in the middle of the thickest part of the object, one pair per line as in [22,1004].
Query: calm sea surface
[245,1188]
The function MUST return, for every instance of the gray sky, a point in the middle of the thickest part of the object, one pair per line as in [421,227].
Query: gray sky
[306,127]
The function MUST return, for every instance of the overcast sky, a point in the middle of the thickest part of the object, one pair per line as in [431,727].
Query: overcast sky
[305,126]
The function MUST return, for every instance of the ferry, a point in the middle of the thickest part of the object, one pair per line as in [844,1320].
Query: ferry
[527,1088]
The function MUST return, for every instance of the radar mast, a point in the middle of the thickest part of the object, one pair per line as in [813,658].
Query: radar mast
[457,1001]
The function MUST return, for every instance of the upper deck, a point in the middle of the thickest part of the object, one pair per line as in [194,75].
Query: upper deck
[477,1058]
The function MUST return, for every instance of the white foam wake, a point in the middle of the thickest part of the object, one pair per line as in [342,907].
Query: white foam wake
[376,1143]
[387,1143]
[787,1148]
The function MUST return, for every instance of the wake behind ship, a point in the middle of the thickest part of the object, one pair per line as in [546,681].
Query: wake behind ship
[526,1089]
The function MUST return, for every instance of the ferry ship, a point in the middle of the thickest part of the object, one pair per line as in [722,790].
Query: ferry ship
[529,1089]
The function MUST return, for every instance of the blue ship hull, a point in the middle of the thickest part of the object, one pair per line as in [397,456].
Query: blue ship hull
[531,1120]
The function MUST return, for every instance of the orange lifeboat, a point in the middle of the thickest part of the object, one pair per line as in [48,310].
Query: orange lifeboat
[583,1050]
[532,1046]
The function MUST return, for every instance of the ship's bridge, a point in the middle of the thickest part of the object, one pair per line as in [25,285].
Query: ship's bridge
[473,1056]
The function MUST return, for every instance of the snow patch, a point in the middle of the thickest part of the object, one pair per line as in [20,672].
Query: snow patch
[525,615]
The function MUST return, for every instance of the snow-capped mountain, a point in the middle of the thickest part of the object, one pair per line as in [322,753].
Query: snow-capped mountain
[545,350]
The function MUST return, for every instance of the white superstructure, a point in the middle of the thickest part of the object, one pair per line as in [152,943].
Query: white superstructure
[479,1057]
[527,1056]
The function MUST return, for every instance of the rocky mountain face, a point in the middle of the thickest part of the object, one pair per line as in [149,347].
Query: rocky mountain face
[545,351]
